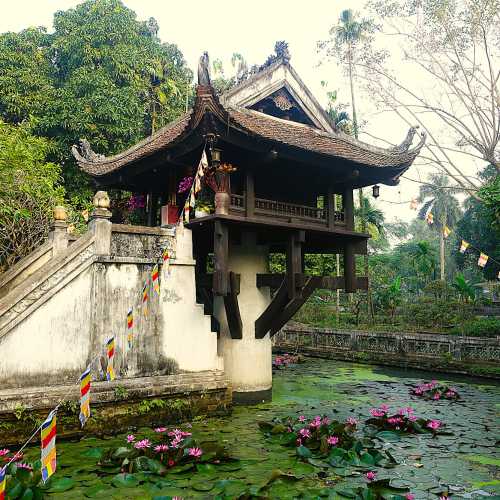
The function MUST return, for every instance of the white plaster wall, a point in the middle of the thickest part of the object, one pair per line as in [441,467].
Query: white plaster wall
[51,345]
[186,330]
[247,361]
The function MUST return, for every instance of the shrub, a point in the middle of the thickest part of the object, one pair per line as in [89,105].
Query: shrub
[479,327]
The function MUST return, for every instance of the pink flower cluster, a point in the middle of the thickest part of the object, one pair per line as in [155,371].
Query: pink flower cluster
[185,184]
[434,425]
[285,360]
[432,390]
[141,445]
[136,201]
[371,475]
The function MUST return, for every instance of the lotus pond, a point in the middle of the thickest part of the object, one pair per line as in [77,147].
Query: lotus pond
[240,459]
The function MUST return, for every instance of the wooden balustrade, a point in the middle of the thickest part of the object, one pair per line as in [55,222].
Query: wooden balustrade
[286,211]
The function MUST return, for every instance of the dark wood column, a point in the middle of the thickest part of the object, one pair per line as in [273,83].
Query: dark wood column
[149,209]
[330,207]
[249,193]
[221,257]
[294,261]
[348,203]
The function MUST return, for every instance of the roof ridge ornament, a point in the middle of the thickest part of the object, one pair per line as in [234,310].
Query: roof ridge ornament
[405,145]
[85,151]
[204,70]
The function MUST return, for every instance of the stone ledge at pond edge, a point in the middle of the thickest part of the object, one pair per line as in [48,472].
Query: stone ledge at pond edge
[115,406]
[441,352]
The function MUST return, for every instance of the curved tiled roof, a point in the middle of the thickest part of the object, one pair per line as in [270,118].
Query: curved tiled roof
[296,135]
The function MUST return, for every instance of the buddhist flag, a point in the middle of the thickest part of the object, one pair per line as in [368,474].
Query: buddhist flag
[463,246]
[429,218]
[202,166]
[483,259]
[85,396]
[2,484]
[155,278]
[130,324]
[446,231]
[110,350]
[166,260]
[187,208]
[413,204]
[145,298]
[48,438]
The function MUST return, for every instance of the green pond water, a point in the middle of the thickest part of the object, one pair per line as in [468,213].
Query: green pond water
[466,464]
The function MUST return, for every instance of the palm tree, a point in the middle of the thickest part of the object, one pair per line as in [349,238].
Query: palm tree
[438,197]
[349,32]
[424,259]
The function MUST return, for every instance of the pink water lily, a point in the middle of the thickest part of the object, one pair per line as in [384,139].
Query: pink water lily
[305,433]
[130,438]
[144,443]
[352,421]
[371,475]
[332,440]
[161,429]
[375,412]
[195,452]
[384,407]
[302,418]
[436,396]
[412,418]
[4,452]
[325,421]
[161,448]
[410,496]
[434,424]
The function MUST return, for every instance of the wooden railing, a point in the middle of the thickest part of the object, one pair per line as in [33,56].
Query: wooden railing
[287,211]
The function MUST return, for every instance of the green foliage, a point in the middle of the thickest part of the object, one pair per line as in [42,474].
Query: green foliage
[24,482]
[28,192]
[391,296]
[479,327]
[148,405]
[102,75]
[490,194]
[465,289]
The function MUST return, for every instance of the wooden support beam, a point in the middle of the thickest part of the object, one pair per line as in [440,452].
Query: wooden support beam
[232,308]
[149,209]
[294,261]
[294,305]
[249,193]
[221,257]
[276,305]
[327,282]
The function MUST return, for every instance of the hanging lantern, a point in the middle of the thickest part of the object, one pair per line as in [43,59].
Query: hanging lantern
[376,191]
[216,157]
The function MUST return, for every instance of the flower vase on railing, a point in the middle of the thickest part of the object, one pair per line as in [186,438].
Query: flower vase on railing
[218,179]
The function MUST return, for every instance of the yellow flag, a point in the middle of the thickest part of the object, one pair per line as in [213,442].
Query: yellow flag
[429,218]
[483,259]
[446,231]
[463,246]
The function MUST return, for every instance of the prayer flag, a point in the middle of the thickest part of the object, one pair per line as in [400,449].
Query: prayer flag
[446,231]
[413,204]
[429,218]
[130,324]
[483,259]
[145,298]
[187,207]
[200,172]
[463,246]
[155,277]
[48,438]
[165,255]
[110,349]
[85,395]
[2,484]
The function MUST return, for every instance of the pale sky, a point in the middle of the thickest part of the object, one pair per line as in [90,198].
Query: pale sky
[222,27]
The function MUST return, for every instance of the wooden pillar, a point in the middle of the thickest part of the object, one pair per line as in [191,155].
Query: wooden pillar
[330,207]
[348,202]
[249,193]
[154,210]
[149,209]
[294,262]
[349,268]
[221,258]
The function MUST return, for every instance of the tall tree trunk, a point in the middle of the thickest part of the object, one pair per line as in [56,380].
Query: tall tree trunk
[441,255]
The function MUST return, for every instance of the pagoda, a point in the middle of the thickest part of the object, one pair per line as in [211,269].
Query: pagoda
[283,177]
